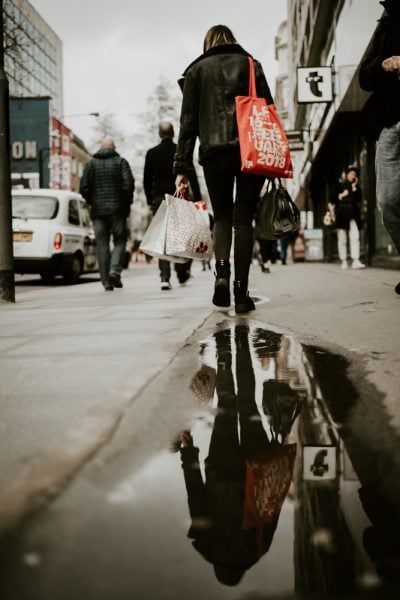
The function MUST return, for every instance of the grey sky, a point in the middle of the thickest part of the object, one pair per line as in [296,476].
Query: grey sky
[115,51]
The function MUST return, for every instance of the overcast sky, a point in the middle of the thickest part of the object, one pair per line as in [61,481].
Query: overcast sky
[116,50]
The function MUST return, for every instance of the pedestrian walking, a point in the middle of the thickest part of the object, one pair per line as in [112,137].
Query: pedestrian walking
[267,249]
[347,203]
[380,73]
[210,85]
[328,232]
[107,185]
[158,180]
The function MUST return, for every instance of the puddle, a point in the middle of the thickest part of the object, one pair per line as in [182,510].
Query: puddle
[272,491]
[273,503]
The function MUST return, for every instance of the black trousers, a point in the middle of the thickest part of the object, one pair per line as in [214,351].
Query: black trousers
[222,172]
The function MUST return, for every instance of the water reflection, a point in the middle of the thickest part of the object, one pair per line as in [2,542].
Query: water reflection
[235,510]
[283,431]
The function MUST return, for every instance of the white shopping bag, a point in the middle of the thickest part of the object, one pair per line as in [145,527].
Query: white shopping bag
[153,242]
[188,229]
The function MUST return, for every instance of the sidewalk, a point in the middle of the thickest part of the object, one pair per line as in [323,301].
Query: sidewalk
[72,359]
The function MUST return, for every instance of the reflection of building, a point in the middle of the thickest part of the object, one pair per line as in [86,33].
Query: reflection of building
[44,152]
[33,54]
[333,35]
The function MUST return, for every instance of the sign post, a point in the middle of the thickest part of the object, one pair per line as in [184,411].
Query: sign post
[7,286]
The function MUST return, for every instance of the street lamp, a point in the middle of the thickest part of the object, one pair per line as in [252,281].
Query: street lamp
[7,289]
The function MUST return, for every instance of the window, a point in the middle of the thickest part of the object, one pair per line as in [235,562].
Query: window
[34,207]
[86,222]
[73,213]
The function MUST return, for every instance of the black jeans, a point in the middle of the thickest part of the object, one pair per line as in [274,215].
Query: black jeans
[222,171]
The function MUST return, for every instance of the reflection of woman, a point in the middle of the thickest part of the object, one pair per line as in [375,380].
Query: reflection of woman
[217,505]
[211,84]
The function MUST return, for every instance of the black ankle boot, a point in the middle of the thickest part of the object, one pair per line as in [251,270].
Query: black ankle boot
[222,296]
[243,302]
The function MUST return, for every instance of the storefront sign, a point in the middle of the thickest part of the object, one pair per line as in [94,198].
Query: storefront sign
[295,138]
[314,84]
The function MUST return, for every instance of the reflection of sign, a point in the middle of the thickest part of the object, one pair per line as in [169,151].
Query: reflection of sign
[60,161]
[295,138]
[319,463]
[314,84]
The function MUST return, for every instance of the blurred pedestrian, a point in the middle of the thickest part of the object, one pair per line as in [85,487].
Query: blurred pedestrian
[158,180]
[347,203]
[210,85]
[107,185]
[329,232]
[380,73]
[266,254]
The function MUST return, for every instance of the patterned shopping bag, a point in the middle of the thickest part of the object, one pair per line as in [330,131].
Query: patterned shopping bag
[154,239]
[188,229]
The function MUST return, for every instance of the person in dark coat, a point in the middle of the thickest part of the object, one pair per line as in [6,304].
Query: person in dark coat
[347,203]
[380,74]
[158,180]
[107,185]
[210,85]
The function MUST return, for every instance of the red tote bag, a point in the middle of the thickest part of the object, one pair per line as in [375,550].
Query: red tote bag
[264,148]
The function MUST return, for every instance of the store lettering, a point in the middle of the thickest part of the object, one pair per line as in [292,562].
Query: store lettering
[26,150]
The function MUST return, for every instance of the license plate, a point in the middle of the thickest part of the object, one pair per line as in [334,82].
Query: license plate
[22,236]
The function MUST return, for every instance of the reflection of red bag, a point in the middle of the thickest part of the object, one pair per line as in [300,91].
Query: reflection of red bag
[264,148]
[268,478]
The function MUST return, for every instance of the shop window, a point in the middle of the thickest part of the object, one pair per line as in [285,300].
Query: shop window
[73,212]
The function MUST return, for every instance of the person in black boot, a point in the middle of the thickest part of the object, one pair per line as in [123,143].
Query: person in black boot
[222,71]
[222,295]
[243,302]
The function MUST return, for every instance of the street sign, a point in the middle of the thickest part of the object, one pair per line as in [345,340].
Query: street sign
[314,84]
[296,139]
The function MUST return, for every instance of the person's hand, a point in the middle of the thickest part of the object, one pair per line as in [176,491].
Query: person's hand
[181,184]
[182,440]
[391,64]
[343,194]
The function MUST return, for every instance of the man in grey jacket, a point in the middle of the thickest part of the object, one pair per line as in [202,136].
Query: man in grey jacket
[107,185]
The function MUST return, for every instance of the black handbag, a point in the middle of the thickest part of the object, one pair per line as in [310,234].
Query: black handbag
[277,215]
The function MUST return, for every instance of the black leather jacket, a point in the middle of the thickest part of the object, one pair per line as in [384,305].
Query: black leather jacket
[385,86]
[210,85]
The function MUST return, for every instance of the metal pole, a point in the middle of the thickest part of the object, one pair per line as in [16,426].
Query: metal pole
[7,288]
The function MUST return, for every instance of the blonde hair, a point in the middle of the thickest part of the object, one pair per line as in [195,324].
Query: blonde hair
[217,35]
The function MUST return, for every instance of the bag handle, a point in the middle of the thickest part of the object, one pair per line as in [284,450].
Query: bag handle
[252,78]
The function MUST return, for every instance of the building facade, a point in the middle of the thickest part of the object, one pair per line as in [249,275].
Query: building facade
[327,41]
[33,55]
[44,152]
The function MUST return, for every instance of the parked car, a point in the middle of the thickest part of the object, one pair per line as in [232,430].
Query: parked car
[52,234]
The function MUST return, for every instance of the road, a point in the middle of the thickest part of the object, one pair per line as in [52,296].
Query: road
[27,283]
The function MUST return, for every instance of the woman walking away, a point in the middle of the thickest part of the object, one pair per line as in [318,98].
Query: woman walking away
[210,85]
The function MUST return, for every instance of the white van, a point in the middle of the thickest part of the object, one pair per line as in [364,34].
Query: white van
[52,234]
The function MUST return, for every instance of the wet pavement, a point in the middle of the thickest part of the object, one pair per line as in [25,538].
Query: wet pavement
[250,469]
